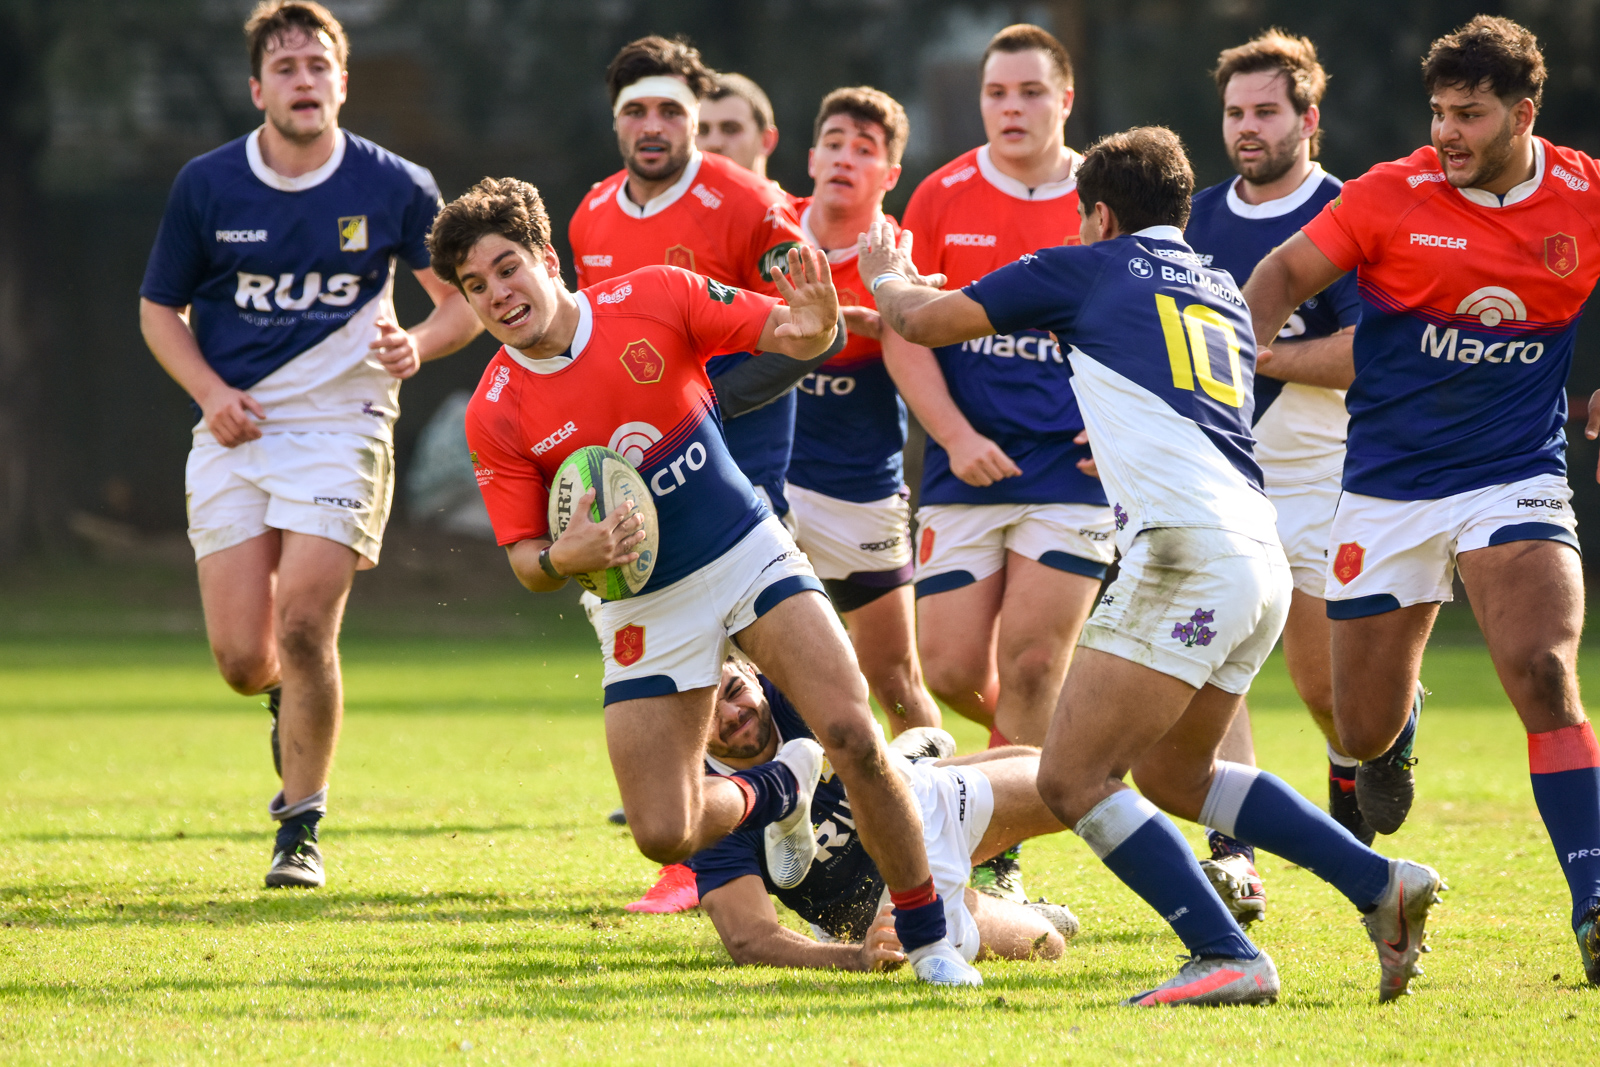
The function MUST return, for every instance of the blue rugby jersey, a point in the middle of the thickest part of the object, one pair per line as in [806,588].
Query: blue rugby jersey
[841,891]
[287,277]
[1163,359]
[759,440]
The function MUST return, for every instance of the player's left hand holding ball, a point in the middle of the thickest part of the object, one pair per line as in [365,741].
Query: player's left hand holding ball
[587,546]
[809,292]
[396,349]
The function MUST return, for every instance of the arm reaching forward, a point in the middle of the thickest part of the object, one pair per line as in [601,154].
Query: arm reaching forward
[1292,273]
[748,925]
[912,305]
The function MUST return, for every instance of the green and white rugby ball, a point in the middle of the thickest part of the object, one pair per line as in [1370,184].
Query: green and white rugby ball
[614,481]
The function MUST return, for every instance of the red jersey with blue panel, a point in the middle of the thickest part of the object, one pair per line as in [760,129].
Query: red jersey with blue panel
[636,383]
[850,427]
[1015,388]
[718,220]
[1468,318]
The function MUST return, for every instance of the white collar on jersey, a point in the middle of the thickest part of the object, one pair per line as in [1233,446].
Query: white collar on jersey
[837,255]
[580,341]
[1162,233]
[309,180]
[1011,187]
[663,200]
[1516,193]
[1281,206]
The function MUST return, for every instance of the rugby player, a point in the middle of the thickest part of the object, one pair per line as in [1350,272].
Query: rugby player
[1013,537]
[1271,90]
[736,121]
[268,298]
[1474,258]
[846,476]
[1162,360]
[622,364]
[967,810]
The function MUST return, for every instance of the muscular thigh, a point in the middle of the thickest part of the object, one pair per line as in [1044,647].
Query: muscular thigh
[657,750]
[236,591]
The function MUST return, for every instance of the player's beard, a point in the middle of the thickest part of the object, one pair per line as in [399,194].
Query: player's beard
[1492,158]
[1276,161]
[756,747]
[297,134]
[676,159]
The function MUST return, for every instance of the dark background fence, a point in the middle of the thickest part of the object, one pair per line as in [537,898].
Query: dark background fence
[101,101]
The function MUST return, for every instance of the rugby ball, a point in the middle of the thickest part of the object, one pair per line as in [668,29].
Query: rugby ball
[614,480]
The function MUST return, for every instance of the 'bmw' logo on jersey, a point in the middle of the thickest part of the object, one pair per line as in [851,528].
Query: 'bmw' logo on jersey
[1140,267]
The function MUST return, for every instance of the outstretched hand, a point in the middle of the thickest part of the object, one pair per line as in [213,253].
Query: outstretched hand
[879,253]
[881,949]
[809,292]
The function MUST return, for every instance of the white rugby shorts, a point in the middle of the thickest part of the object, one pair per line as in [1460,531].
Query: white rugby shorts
[787,516]
[675,638]
[333,485]
[1390,554]
[958,544]
[1305,517]
[956,804]
[843,537]
[1202,605]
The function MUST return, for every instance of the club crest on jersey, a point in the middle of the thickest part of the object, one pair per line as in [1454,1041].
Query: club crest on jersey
[1347,562]
[1494,304]
[925,553]
[644,363]
[719,292]
[353,233]
[1561,254]
[680,256]
[627,647]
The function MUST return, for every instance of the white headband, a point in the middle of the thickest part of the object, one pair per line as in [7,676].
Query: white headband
[656,85]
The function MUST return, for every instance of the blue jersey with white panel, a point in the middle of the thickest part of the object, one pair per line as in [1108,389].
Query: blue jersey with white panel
[850,432]
[1299,429]
[841,891]
[287,277]
[1163,359]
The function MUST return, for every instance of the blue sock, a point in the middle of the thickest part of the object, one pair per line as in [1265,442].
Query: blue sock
[770,794]
[1261,808]
[1565,766]
[289,829]
[1144,849]
[918,916]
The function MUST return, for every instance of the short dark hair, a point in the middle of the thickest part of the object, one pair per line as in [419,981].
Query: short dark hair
[1024,37]
[509,207]
[1142,175]
[1491,50]
[1293,57]
[748,91]
[659,55]
[869,105]
[273,20]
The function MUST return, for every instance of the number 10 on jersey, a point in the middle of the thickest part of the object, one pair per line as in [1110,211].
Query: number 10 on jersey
[1189,354]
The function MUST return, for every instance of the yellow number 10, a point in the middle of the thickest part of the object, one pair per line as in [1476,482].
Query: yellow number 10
[1193,322]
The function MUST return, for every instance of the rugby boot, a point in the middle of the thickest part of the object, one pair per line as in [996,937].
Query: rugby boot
[1001,876]
[1589,945]
[940,964]
[791,842]
[1344,807]
[1386,786]
[1211,981]
[924,742]
[1234,878]
[274,701]
[1397,924]
[299,866]
[1058,916]
[675,890]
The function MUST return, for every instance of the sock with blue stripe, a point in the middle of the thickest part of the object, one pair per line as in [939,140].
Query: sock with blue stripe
[1144,849]
[1565,767]
[770,792]
[1254,806]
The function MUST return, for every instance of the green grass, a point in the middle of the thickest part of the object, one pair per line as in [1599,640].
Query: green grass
[474,907]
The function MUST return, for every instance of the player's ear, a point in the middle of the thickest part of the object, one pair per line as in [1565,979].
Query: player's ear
[892,179]
[1522,115]
[769,140]
[1310,121]
[811,162]
[552,262]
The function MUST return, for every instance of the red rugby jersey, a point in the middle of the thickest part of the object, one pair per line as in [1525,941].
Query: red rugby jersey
[1469,313]
[637,384]
[719,220]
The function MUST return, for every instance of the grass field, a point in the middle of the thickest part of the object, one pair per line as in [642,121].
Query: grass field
[474,906]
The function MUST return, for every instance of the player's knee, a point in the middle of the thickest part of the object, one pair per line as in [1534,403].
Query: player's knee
[662,843]
[1060,795]
[1363,740]
[853,746]
[955,679]
[246,674]
[1546,677]
[1032,665]
[306,637]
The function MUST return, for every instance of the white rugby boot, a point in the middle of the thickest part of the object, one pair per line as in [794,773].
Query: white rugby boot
[1057,915]
[1214,981]
[1396,925]
[940,964]
[924,742]
[791,842]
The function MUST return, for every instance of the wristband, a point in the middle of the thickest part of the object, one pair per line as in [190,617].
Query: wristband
[549,567]
[886,276]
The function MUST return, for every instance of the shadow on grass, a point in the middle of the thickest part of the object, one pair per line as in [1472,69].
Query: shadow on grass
[256,836]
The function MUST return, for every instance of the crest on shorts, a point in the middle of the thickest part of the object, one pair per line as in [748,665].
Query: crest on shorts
[680,256]
[353,233]
[925,551]
[1561,254]
[628,645]
[644,363]
[1347,562]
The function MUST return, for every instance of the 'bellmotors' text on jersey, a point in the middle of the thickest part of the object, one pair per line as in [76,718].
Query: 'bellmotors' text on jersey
[287,277]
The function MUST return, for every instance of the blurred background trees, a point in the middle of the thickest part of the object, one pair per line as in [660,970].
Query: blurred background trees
[101,101]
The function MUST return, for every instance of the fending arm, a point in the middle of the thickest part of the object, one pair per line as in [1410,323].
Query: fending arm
[748,925]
